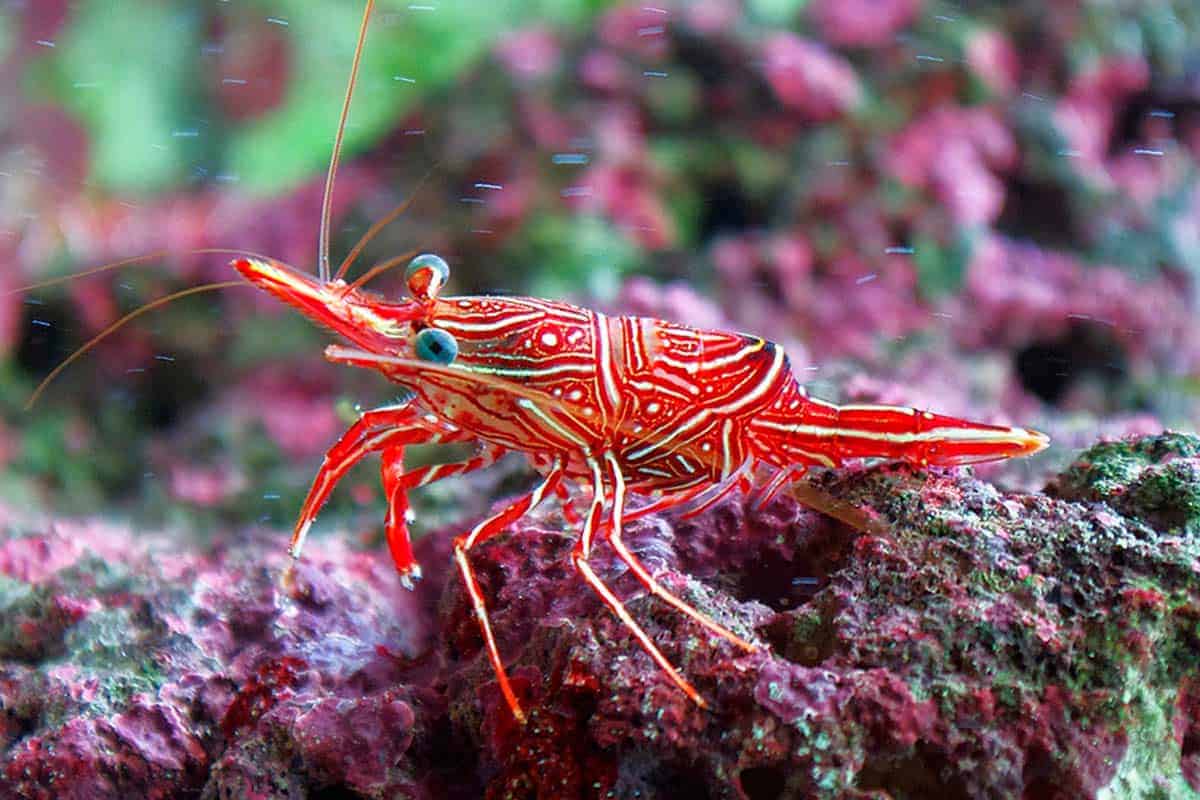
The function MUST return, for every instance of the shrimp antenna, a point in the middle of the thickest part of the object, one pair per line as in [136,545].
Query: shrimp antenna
[379,269]
[381,223]
[125,262]
[327,201]
[137,312]
[99,337]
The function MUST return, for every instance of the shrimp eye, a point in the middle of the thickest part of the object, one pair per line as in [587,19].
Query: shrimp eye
[436,345]
[426,275]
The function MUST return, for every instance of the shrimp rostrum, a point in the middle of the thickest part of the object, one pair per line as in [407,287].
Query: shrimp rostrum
[614,404]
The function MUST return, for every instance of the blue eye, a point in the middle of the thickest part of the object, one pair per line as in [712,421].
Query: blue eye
[426,275]
[436,345]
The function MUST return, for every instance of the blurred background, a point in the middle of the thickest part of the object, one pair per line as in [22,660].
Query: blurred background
[990,209]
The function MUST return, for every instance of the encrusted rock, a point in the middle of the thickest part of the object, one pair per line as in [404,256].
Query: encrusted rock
[973,644]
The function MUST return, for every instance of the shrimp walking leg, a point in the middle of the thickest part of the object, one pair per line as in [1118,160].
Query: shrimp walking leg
[375,430]
[568,507]
[397,482]
[738,479]
[657,589]
[592,525]
[778,481]
[707,494]
[666,501]
[481,533]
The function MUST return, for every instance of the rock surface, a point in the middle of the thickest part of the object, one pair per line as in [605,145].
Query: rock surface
[973,645]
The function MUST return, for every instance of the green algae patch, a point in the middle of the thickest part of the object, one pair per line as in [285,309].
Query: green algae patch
[1155,480]
[1062,623]
[1151,768]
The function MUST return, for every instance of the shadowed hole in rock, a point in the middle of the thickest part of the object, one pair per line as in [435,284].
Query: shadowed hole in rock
[19,726]
[763,783]
[442,747]
[45,340]
[1170,103]
[1050,369]
[767,283]
[689,783]
[783,583]
[806,641]
[779,584]
[164,389]
[727,209]
[1038,211]
[920,774]
[335,792]
[1190,755]
[582,694]
[1042,789]
[168,389]
[709,63]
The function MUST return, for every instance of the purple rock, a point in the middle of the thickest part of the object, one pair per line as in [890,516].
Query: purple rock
[972,642]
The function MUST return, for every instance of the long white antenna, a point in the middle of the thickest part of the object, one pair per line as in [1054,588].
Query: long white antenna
[327,201]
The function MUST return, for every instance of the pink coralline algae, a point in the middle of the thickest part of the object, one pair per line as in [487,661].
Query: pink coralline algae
[1187,728]
[294,407]
[809,78]
[622,184]
[712,16]
[957,154]
[204,486]
[1018,293]
[993,59]
[626,195]
[604,71]
[103,232]
[1087,113]
[530,54]
[680,301]
[940,657]
[972,643]
[862,23]
[11,309]
[193,671]
[636,29]
[838,308]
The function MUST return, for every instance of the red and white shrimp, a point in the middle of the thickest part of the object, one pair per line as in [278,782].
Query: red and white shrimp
[614,404]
